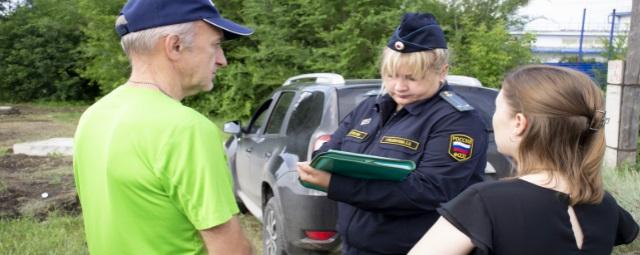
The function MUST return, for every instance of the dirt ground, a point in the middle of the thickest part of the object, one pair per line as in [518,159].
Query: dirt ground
[25,179]
[32,185]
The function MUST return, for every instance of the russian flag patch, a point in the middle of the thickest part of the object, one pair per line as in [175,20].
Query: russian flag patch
[460,147]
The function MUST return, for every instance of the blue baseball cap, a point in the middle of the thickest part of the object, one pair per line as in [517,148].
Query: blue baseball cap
[145,14]
[417,32]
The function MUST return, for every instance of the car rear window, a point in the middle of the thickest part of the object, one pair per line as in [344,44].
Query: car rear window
[349,98]
[482,99]
[307,114]
[279,111]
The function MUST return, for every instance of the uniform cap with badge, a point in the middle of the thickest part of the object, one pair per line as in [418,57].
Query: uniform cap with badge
[421,32]
[417,32]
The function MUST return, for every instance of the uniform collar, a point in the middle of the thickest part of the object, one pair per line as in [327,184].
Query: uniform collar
[415,108]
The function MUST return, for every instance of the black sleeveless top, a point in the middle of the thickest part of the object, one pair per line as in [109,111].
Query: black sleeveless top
[518,217]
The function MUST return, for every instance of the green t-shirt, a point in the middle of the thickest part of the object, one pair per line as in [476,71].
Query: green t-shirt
[150,173]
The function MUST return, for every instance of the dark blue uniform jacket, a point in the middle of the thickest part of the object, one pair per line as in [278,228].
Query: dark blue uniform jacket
[448,147]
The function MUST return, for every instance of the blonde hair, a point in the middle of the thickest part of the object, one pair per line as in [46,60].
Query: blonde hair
[143,41]
[564,134]
[419,63]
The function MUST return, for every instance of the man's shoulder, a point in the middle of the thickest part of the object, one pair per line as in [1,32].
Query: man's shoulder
[146,108]
[368,103]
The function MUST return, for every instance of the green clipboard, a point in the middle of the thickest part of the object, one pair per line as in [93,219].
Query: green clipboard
[361,166]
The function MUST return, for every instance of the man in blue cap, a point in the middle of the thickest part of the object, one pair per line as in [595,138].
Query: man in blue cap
[417,118]
[151,173]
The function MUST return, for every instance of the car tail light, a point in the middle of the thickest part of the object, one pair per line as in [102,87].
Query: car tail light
[320,141]
[319,235]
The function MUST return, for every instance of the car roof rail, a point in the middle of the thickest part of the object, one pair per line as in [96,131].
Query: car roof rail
[323,78]
[464,80]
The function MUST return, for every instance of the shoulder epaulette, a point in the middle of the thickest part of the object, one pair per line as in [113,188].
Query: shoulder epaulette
[456,101]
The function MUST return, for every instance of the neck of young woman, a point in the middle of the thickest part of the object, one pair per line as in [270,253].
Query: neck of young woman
[547,179]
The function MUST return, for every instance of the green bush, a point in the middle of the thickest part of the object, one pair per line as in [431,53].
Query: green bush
[304,36]
[68,49]
[103,60]
[38,53]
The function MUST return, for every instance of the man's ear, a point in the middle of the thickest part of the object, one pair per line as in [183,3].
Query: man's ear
[522,123]
[172,47]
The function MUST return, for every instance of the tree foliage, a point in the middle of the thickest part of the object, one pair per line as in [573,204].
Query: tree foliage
[293,37]
[617,49]
[479,40]
[488,52]
[303,36]
[104,61]
[38,53]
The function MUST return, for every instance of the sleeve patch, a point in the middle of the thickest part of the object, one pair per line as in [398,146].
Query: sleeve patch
[460,147]
[357,134]
[404,142]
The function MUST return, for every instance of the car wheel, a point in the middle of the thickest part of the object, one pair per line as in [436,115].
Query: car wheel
[272,229]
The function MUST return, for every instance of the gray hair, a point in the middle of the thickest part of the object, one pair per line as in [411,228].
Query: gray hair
[141,42]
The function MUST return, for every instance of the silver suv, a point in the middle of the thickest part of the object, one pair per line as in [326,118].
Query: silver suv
[296,120]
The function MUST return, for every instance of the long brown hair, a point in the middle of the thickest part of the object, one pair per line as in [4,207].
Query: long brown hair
[564,109]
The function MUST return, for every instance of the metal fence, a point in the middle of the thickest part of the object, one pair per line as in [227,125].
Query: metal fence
[597,71]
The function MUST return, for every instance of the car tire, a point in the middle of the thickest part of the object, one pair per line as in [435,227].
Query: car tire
[273,239]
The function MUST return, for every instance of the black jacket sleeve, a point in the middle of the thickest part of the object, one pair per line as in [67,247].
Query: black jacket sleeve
[627,228]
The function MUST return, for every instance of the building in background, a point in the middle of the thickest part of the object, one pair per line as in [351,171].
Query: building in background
[553,42]
[558,27]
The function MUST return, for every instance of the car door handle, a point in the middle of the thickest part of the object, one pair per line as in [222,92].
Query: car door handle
[267,154]
[249,150]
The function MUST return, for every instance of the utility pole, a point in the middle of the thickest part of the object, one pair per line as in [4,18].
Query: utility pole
[584,15]
[623,100]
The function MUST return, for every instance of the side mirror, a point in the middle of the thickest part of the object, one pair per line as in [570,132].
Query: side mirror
[232,127]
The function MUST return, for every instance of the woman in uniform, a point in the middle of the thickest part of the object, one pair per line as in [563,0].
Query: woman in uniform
[550,121]
[411,120]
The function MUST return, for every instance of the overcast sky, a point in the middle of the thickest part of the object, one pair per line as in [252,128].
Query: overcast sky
[567,14]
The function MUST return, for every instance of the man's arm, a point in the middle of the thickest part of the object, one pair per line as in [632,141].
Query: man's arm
[226,238]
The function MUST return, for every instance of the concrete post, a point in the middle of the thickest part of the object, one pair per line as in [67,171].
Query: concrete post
[623,100]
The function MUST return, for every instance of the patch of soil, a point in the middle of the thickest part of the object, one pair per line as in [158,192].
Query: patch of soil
[35,186]
[20,162]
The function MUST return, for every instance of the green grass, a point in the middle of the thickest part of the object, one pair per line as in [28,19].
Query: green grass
[63,234]
[62,112]
[3,151]
[624,185]
[253,230]
[3,187]
[67,117]
[58,234]
[58,104]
